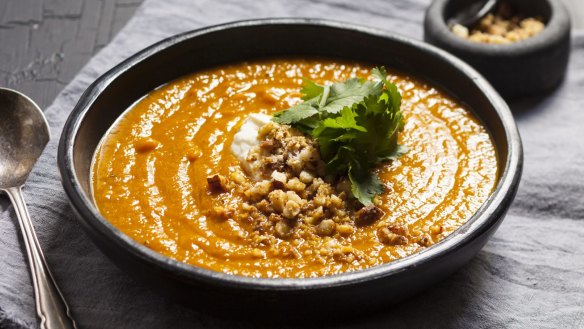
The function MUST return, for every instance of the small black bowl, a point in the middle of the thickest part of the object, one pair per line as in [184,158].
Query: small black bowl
[110,95]
[528,67]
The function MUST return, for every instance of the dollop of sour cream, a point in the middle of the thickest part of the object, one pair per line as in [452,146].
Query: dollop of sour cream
[247,137]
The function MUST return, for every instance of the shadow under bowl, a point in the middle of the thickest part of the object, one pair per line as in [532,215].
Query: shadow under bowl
[110,95]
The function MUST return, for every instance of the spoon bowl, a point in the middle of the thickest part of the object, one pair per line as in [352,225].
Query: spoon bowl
[24,133]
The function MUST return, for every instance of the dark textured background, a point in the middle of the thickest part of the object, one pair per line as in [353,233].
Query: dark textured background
[44,43]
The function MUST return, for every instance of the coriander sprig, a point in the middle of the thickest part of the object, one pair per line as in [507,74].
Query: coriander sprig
[356,125]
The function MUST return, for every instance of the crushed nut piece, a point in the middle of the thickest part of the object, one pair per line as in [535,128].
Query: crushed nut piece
[291,197]
[386,236]
[326,227]
[436,229]
[368,215]
[425,240]
[501,28]
[283,230]
[217,183]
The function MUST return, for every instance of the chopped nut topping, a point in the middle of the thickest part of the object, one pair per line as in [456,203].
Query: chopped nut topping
[399,229]
[436,229]
[283,230]
[217,183]
[425,240]
[222,212]
[280,177]
[278,199]
[295,185]
[368,215]
[291,209]
[267,144]
[326,227]
[288,197]
[386,236]
[345,229]
[501,28]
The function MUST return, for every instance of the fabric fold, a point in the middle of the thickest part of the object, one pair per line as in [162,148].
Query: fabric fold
[531,274]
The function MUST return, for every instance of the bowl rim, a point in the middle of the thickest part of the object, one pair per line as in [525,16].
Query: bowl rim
[481,222]
[558,25]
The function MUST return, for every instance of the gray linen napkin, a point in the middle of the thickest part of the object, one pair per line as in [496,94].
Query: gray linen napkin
[531,273]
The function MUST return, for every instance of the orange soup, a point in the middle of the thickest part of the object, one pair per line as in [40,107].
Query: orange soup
[166,175]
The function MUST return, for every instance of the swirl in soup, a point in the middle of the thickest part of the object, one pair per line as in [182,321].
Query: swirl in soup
[198,171]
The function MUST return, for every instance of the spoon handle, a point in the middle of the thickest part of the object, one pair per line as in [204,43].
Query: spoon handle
[50,304]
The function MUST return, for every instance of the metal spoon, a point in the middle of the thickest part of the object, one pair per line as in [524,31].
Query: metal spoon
[24,133]
[473,13]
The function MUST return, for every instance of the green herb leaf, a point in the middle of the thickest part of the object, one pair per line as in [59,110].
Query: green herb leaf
[295,114]
[346,120]
[365,186]
[348,93]
[310,90]
[356,124]
[394,95]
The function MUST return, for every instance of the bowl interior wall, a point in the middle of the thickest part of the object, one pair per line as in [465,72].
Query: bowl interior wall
[250,42]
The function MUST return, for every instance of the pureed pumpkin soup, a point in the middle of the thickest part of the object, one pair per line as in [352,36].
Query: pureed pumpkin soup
[293,168]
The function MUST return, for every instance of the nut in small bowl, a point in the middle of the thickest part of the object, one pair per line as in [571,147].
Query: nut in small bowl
[522,48]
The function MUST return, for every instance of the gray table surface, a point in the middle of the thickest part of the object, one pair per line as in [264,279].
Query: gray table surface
[529,275]
[44,43]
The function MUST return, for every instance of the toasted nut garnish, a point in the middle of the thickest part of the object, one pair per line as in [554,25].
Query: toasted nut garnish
[217,183]
[390,238]
[326,227]
[368,215]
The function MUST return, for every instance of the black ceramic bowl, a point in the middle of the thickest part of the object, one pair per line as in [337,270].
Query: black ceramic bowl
[529,67]
[110,95]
